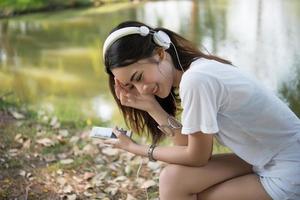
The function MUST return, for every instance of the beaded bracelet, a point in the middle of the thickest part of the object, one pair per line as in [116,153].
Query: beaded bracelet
[150,152]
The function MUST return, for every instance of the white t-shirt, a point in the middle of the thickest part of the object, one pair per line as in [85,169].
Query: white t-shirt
[251,120]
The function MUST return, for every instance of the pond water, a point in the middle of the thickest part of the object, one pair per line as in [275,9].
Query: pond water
[53,60]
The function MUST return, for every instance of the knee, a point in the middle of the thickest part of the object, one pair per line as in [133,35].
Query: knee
[169,177]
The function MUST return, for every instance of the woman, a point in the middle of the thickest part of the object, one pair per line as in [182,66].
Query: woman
[147,67]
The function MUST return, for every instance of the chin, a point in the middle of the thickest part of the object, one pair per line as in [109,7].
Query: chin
[163,93]
[163,96]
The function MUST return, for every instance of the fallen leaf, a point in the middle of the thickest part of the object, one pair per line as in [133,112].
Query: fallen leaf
[67,161]
[88,175]
[128,170]
[97,179]
[17,115]
[28,175]
[61,180]
[74,139]
[18,138]
[130,197]
[45,142]
[87,194]
[67,189]
[90,149]
[88,186]
[26,144]
[71,197]
[50,158]
[120,178]
[112,190]
[62,155]
[59,172]
[76,151]
[148,184]
[54,122]
[13,152]
[61,139]
[63,132]
[99,160]
[22,173]
[154,165]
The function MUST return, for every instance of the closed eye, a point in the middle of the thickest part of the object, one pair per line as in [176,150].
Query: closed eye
[130,87]
[139,77]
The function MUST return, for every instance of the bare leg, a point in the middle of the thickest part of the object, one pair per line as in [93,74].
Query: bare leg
[247,187]
[184,183]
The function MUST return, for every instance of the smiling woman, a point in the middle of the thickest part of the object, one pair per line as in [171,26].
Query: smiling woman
[146,78]
[148,66]
[150,59]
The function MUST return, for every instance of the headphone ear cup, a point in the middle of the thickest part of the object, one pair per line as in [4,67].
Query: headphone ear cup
[162,39]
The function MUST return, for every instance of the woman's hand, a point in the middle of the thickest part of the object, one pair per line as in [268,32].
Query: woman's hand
[132,98]
[121,142]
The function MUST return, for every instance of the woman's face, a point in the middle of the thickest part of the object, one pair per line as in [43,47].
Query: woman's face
[147,76]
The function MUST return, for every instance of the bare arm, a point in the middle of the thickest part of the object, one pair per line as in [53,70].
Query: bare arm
[196,153]
[160,116]
[179,139]
[196,149]
[192,150]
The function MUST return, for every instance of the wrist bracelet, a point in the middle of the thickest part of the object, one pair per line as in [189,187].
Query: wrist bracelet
[150,152]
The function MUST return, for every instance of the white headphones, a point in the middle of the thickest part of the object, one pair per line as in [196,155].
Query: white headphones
[160,38]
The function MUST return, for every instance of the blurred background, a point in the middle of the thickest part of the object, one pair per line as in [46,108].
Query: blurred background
[53,86]
[53,60]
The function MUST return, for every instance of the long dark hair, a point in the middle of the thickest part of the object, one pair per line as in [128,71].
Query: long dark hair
[132,48]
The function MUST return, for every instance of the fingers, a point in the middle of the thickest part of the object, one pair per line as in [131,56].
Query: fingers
[116,131]
[115,141]
[117,88]
[123,98]
[112,142]
[120,91]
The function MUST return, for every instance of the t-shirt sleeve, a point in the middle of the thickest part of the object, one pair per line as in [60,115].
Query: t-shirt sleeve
[199,99]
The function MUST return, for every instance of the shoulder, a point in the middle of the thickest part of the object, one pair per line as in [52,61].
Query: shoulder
[202,72]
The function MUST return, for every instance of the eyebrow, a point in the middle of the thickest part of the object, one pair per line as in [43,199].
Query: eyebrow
[132,77]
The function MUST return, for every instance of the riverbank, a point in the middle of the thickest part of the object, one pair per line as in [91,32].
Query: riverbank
[10,8]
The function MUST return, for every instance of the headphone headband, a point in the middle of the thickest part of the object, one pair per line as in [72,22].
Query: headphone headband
[159,37]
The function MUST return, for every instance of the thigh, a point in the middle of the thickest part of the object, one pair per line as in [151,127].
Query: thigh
[247,187]
[193,180]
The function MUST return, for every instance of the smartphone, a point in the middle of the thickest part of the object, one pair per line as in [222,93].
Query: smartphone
[104,132]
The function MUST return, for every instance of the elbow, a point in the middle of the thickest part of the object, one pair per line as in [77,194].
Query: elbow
[198,161]
[201,163]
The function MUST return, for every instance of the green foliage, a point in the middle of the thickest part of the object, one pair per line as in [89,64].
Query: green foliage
[9,7]
[12,7]
[21,5]
[290,91]
[6,101]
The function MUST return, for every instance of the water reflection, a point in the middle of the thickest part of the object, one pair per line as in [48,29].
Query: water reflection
[59,55]
[259,36]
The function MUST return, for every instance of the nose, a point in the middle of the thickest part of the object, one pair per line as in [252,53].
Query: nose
[145,88]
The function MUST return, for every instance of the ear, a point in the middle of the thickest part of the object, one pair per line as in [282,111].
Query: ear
[161,53]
